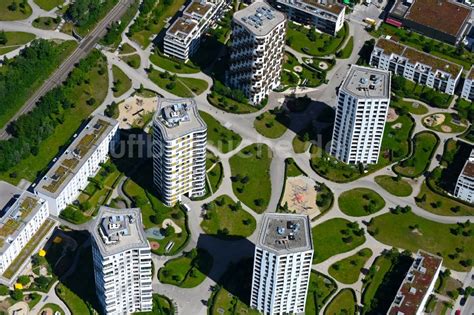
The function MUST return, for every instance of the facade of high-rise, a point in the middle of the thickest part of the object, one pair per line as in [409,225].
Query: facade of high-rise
[122,262]
[70,173]
[282,264]
[183,37]
[258,45]
[468,87]
[416,66]
[465,184]
[179,150]
[361,111]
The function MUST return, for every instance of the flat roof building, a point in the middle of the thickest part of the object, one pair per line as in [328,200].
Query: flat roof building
[464,189]
[468,87]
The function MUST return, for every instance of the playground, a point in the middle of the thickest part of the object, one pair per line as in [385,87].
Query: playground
[300,196]
[133,111]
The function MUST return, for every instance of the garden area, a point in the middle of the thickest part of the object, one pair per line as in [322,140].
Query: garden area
[406,230]
[343,303]
[250,170]
[10,41]
[11,10]
[320,289]
[297,74]
[179,86]
[225,218]
[359,202]
[445,122]
[424,145]
[46,23]
[171,64]
[335,236]
[411,107]
[394,185]
[48,5]
[133,60]
[348,270]
[272,124]
[224,139]
[187,271]
[122,82]
[229,100]
[440,204]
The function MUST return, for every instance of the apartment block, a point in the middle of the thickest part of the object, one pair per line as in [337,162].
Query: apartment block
[282,264]
[417,285]
[361,111]
[183,37]
[22,215]
[326,17]
[122,262]
[70,172]
[465,184]
[179,150]
[416,65]
[258,44]
[468,87]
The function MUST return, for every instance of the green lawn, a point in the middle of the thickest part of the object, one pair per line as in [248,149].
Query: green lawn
[54,307]
[292,169]
[122,82]
[162,305]
[418,109]
[215,176]
[170,83]
[442,205]
[225,140]
[15,40]
[48,5]
[126,48]
[348,270]
[230,304]
[380,267]
[448,125]
[132,60]
[395,186]
[198,86]
[343,303]
[424,144]
[8,13]
[335,236]
[396,141]
[271,124]
[250,169]
[171,64]
[74,303]
[45,23]
[346,52]
[469,134]
[229,105]
[187,271]
[226,218]
[308,76]
[412,232]
[300,145]
[360,201]
[321,288]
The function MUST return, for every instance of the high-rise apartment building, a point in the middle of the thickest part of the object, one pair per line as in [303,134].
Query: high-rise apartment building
[258,44]
[122,261]
[465,184]
[361,111]
[468,87]
[179,150]
[282,264]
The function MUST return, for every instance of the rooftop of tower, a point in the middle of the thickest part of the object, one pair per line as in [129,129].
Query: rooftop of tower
[118,230]
[367,82]
[259,18]
[284,233]
[178,117]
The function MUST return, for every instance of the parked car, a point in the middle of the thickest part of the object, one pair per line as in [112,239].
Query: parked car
[186,207]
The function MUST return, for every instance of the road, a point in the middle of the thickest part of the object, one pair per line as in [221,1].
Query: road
[85,46]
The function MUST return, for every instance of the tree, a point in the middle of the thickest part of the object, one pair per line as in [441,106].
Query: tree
[168,231]
[3,38]
[24,280]
[42,282]
[13,6]
[4,290]
[16,294]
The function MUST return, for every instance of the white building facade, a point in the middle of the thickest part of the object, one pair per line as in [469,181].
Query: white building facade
[258,44]
[122,262]
[468,88]
[179,150]
[70,173]
[282,264]
[464,189]
[361,111]
[183,37]
[416,66]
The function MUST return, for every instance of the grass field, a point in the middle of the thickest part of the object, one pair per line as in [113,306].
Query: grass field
[448,122]
[360,201]
[381,266]
[225,140]
[268,125]
[215,176]
[409,231]
[343,303]
[349,269]
[321,288]
[419,109]
[250,169]
[179,86]
[74,303]
[48,5]
[122,83]
[198,86]
[229,105]
[172,65]
[335,236]
[225,218]
[45,23]
[20,13]
[132,60]
[15,40]
[346,52]
[397,187]
[424,144]
[438,204]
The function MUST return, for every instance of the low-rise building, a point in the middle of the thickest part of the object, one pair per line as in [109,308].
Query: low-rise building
[326,17]
[468,87]
[22,214]
[416,65]
[417,285]
[71,171]
[465,184]
[444,20]
[122,262]
[183,37]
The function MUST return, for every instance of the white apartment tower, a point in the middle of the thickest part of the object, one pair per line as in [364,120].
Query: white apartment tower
[258,44]
[122,262]
[465,184]
[282,264]
[179,150]
[361,111]
[468,87]
[71,171]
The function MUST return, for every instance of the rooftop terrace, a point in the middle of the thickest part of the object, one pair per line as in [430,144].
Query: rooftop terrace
[182,27]
[367,82]
[197,9]
[259,18]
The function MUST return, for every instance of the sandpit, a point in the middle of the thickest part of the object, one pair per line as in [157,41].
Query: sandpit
[167,222]
[323,66]
[446,128]
[300,195]
[132,110]
[154,245]
[392,115]
[20,308]
[434,120]
[298,69]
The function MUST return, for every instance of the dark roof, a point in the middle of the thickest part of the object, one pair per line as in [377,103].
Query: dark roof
[470,75]
[468,169]
[442,15]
